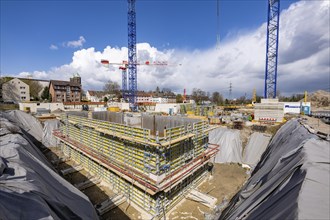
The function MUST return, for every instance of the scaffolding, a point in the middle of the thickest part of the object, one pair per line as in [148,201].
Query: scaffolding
[152,171]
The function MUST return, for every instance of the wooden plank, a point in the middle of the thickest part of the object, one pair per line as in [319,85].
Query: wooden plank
[88,183]
[109,204]
[202,198]
[71,170]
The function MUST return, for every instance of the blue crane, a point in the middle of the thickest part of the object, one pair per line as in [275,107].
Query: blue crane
[272,48]
[132,60]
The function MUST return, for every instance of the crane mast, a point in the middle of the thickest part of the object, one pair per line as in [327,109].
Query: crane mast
[132,60]
[272,48]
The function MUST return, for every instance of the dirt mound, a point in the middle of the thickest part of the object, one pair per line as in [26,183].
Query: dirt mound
[319,99]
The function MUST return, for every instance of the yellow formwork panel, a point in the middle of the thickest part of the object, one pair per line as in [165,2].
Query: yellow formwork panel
[135,194]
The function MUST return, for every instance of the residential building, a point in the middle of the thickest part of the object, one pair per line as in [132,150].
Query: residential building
[14,90]
[98,96]
[35,84]
[66,91]
[143,97]
[159,100]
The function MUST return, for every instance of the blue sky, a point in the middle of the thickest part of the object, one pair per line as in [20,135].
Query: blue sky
[28,28]
[171,29]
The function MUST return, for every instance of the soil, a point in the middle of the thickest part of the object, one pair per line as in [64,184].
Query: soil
[224,183]
[317,124]
[245,134]
[320,100]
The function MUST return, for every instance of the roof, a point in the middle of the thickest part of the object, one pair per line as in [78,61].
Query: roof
[4,80]
[97,93]
[84,103]
[63,83]
[8,78]
[41,80]
[144,94]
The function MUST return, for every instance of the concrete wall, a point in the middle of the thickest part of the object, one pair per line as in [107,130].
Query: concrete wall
[52,106]
[270,110]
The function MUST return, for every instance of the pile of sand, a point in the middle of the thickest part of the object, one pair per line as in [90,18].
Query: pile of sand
[319,99]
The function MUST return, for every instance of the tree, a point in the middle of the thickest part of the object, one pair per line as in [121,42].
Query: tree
[111,87]
[217,98]
[167,90]
[241,100]
[179,98]
[105,99]
[199,95]
[45,93]
[35,88]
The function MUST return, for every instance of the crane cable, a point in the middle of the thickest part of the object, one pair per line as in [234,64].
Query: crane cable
[218,25]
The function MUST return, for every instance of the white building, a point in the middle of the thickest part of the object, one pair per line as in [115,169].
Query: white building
[141,99]
[159,100]
[297,107]
[168,108]
[97,96]
[15,90]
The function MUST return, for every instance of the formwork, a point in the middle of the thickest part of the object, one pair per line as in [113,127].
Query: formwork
[153,171]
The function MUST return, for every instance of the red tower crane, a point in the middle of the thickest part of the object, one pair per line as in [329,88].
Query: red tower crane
[124,66]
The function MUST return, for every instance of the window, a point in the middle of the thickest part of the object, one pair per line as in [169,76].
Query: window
[22,87]
[22,92]
[23,97]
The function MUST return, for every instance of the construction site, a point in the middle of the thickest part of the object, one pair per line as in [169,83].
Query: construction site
[141,160]
[146,166]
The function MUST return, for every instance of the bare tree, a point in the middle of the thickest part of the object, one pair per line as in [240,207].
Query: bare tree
[199,95]
[111,87]
[217,98]
[35,89]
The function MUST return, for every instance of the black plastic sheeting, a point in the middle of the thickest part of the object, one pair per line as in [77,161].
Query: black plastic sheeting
[29,187]
[291,181]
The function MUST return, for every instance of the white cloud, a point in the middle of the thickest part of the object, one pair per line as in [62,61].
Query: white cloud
[75,43]
[53,47]
[303,59]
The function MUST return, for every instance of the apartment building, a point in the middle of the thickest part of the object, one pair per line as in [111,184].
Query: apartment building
[14,90]
[66,91]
